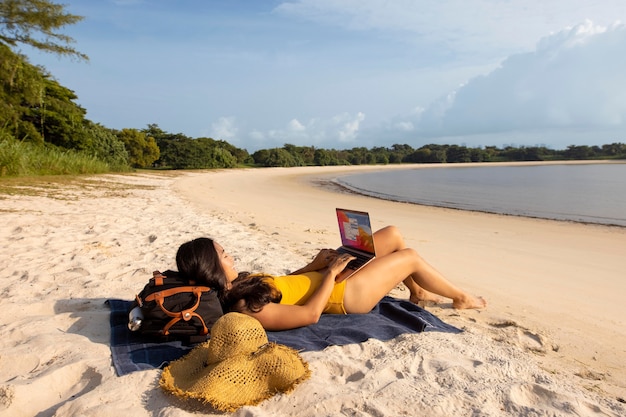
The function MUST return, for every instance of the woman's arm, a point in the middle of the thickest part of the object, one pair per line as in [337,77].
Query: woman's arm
[275,316]
[321,261]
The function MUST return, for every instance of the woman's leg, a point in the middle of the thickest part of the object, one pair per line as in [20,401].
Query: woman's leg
[388,240]
[365,288]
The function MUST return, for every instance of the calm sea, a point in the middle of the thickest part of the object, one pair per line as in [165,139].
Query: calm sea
[589,193]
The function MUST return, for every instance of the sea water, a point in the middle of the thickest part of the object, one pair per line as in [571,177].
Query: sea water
[588,193]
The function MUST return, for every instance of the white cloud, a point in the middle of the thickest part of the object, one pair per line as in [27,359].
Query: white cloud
[348,126]
[342,128]
[574,79]
[405,126]
[468,26]
[224,128]
[296,126]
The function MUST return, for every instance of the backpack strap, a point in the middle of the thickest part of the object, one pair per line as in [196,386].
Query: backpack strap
[138,300]
[185,315]
[158,277]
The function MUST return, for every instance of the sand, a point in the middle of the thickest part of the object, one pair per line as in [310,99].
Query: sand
[551,342]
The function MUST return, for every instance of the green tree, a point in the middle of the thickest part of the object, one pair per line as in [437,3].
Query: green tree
[213,154]
[341,157]
[155,131]
[220,157]
[276,157]
[241,155]
[379,155]
[399,152]
[477,155]
[21,86]
[578,152]
[419,156]
[175,153]
[36,23]
[296,154]
[358,156]
[261,156]
[303,155]
[178,151]
[456,153]
[175,149]
[490,153]
[35,107]
[105,146]
[142,149]
[322,157]
[57,118]
[614,150]
[428,154]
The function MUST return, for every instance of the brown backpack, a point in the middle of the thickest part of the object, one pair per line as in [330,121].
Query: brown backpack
[175,309]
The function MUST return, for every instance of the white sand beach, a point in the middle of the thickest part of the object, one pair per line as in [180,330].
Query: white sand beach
[552,341]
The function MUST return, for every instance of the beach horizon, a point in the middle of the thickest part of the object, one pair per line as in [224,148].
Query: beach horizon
[551,341]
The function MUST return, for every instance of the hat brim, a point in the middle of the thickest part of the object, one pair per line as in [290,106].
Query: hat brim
[244,379]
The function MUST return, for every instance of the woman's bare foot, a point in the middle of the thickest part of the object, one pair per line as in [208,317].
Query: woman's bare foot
[469,301]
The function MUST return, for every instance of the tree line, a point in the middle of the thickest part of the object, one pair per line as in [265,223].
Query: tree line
[177,151]
[291,155]
[38,110]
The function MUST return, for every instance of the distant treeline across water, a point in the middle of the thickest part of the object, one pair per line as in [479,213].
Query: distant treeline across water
[291,155]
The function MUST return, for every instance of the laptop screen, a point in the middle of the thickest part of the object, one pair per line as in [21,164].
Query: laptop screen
[355,230]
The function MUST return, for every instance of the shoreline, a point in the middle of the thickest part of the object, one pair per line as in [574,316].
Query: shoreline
[335,185]
[339,188]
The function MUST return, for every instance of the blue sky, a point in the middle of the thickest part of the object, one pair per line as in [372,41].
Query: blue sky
[345,73]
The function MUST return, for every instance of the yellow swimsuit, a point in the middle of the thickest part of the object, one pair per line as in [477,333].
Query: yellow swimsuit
[297,289]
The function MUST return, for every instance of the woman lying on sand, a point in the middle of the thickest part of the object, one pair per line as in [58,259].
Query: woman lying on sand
[323,286]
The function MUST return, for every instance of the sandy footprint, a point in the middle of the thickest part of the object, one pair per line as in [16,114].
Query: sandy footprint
[524,399]
[513,333]
[448,372]
[13,365]
[53,389]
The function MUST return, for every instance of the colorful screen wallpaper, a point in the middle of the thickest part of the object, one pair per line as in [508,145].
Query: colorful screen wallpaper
[356,230]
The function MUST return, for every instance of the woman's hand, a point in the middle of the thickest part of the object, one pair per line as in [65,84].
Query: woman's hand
[339,263]
[321,261]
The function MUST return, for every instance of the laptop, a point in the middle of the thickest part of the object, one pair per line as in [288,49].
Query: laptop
[357,238]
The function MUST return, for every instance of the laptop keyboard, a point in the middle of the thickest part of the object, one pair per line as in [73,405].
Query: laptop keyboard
[355,263]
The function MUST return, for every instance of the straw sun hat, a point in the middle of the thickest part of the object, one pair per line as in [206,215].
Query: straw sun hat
[236,367]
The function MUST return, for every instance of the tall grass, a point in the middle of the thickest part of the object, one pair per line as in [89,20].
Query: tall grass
[22,158]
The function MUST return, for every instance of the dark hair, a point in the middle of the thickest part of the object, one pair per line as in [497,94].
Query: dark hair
[254,290]
[198,261]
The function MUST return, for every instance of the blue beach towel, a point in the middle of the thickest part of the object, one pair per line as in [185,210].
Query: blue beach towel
[390,318]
